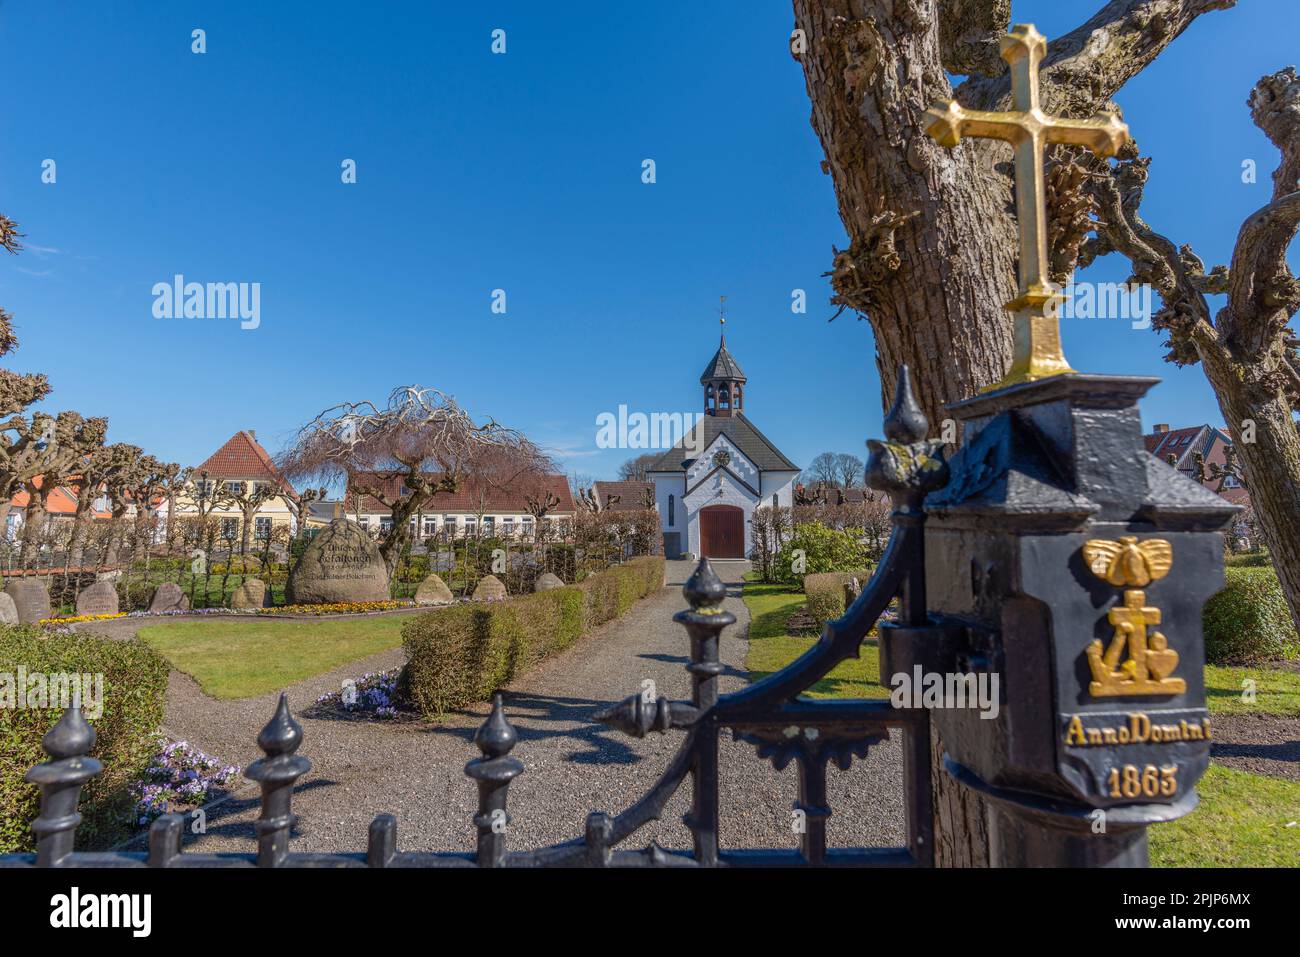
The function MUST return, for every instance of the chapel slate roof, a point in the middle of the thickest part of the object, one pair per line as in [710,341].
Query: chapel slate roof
[739,430]
[723,365]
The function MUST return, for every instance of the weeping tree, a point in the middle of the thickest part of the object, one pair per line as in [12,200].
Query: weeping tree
[417,446]
[932,254]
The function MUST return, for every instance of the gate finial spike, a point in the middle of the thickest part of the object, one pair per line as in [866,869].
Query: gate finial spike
[496,737]
[71,737]
[905,422]
[704,587]
[282,734]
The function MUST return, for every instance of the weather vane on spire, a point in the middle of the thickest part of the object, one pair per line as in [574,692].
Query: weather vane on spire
[1028,129]
[722,316]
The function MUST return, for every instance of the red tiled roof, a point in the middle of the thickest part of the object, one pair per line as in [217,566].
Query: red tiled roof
[242,457]
[61,501]
[631,495]
[1176,441]
[472,495]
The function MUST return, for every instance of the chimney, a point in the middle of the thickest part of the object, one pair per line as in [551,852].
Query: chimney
[252,433]
[1162,427]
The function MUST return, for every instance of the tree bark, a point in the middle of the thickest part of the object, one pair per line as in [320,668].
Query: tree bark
[1271,463]
[932,251]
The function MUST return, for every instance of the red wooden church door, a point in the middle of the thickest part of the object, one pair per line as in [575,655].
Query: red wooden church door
[722,531]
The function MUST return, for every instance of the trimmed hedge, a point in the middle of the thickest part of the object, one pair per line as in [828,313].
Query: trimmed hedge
[135,684]
[1249,621]
[462,654]
[826,591]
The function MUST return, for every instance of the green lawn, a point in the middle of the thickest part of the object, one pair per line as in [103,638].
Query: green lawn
[243,659]
[1276,692]
[1244,820]
[771,649]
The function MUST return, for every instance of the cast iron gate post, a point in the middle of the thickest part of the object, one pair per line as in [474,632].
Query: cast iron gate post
[1074,565]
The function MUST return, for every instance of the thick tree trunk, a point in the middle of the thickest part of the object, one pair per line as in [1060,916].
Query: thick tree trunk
[933,251]
[1250,394]
[33,520]
[932,255]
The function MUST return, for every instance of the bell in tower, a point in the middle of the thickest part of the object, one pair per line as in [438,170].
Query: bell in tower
[724,383]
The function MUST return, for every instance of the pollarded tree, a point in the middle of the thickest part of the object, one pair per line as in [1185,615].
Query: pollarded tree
[105,466]
[421,444]
[1247,349]
[43,444]
[933,249]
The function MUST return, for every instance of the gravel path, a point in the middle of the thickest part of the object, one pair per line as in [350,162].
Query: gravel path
[572,764]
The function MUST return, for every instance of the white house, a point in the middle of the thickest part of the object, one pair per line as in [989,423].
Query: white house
[708,484]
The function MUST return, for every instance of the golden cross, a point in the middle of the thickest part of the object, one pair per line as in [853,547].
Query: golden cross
[1028,129]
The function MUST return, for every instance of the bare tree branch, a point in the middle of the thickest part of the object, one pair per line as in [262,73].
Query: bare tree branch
[1087,66]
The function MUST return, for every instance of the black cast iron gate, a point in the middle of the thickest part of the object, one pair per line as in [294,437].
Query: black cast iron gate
[770,714]
[1046,580]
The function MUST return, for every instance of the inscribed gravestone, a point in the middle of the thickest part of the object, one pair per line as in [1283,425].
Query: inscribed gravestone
[8,610]
[341,564]
[31,599]
[250,594]
[169,597]
[98,599]
[546,581]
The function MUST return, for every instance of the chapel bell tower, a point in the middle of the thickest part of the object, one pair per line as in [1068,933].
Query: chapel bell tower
[724,383]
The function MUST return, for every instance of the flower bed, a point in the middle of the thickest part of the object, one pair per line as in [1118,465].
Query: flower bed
[73,619]
[179,779]
[338,607]
[373,695]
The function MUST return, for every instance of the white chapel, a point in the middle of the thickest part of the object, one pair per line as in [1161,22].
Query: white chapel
[708,484]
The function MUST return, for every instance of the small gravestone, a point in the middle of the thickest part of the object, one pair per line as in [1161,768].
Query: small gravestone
[489,588]
[31,599]
[99,598]
[169,597]
[433,591]
[547,581]
[8,610]
[341,564]
[251,594]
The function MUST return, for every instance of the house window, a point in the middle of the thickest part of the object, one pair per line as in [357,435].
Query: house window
[229,528]
[205,487]
[262,528]
[528,526]
[672,510]
[489,525]
[234,488]
[430,524]
[449,525]
[364,521]
[471,526]
[385,524]
[508,527]
[260,487]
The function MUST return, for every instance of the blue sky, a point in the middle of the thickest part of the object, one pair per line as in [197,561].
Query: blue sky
[519,172]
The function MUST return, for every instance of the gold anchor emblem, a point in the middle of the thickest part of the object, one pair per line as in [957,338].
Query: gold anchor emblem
[1150,660]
